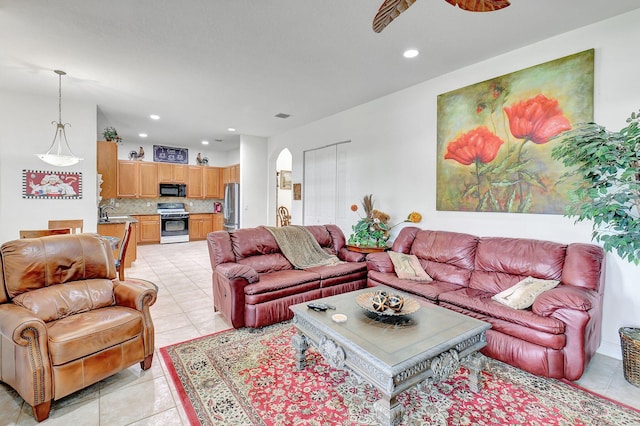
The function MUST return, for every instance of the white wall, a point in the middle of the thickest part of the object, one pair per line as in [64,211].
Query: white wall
[27,130]
[254,189]
[393,152]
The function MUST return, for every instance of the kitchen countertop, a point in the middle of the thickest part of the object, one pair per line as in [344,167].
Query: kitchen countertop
[117,220]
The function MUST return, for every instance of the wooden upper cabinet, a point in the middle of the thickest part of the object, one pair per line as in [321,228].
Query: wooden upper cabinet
[137,179]
[231,174]
[172,173]
[212,185]
[107,161]
[235,173]
[148,187]
[195,182]
[127,179]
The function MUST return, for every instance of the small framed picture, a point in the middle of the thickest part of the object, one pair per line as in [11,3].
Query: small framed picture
[297,191]
[285,179]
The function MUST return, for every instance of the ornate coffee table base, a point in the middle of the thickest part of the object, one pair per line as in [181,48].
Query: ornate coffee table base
[425,348]
[388,410]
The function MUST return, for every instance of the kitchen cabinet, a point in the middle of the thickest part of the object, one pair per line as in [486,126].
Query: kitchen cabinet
[116,229]
[231,174]
[107,166]
[195,184]
[212,187]
[200,224]
[235,173]
[218,222]
[172,173]
[148,229]
[137,179]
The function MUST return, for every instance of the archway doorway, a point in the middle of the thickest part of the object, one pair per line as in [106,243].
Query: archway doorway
[283,183]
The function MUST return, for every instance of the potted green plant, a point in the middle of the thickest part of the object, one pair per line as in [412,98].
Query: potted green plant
[110,134]
[608,189]
[371,232]
[608,194]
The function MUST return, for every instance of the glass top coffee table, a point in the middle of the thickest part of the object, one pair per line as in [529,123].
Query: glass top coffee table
[393,352]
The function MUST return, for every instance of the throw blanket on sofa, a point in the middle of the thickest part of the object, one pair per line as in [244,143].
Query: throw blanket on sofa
[300,247]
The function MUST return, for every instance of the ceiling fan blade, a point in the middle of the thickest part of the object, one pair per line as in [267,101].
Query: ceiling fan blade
[389,10]
[479,5]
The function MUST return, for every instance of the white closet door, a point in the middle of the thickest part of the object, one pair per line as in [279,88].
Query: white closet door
[324,184]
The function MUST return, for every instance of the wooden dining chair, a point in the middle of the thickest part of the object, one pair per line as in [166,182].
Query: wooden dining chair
[123,251]
[37,233]
[74,224]
[284,216]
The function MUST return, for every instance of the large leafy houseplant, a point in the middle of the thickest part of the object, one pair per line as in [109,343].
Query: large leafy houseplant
[608,192]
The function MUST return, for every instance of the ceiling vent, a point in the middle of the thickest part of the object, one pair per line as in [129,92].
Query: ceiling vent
[282,115]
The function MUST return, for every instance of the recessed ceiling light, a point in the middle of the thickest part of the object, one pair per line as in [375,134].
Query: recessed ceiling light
[218,140]
[283,115]
[154,117]
[205,142]
[231,129]
[410,53]
[142,135]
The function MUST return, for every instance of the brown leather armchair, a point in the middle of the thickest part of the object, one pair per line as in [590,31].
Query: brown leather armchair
[66,322]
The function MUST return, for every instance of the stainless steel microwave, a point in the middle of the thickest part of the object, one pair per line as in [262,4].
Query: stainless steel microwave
[173,190]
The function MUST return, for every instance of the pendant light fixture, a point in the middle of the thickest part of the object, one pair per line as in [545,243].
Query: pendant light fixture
[56,156]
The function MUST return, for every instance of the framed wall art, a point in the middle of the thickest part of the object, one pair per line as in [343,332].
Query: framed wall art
[285,179]
[57,185]
[297,191]
[167,154]
[495,137]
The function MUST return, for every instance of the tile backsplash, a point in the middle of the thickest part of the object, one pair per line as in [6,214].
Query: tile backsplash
[149,205]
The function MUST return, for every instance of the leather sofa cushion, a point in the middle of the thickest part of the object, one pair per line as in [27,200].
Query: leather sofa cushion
[61,300]
[338,270]
[267,263]
[446,256]
[501,263]
[82,334]
[582,266]
[430,291]
[33,263]
[480,301]
[278,280]
[323,237]
[248,242]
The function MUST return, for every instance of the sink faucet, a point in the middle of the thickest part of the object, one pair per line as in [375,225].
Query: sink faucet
[103,211]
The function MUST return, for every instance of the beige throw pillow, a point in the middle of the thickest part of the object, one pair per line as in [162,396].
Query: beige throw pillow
[523,294]
[408,267]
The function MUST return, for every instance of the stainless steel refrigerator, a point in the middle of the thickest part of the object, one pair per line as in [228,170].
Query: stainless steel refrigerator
[231,209]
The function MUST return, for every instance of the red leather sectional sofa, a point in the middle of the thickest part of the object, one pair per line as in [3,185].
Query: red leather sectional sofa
[556,337]
[254,284]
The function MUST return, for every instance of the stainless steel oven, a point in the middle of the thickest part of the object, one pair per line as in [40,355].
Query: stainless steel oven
[174,223]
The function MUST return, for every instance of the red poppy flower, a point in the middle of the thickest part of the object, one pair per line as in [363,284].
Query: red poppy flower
[478,144]
[537,119]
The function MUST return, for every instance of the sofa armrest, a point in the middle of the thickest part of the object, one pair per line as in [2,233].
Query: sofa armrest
[14,320]
[26,368]
[380,262]
[351,256]
[235,270]
[564,297]
[133,296]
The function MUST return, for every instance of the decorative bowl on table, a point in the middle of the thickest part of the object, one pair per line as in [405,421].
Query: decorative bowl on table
[387,304]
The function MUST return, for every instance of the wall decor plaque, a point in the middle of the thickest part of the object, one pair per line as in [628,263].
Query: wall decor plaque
[44,184]
[167,154]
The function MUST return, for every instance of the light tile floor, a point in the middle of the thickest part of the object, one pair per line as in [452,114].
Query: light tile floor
[184,311]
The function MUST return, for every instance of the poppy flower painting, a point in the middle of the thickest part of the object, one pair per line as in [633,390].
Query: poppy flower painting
[495,138]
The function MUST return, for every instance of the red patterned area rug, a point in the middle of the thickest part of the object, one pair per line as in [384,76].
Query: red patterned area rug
[249,377]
